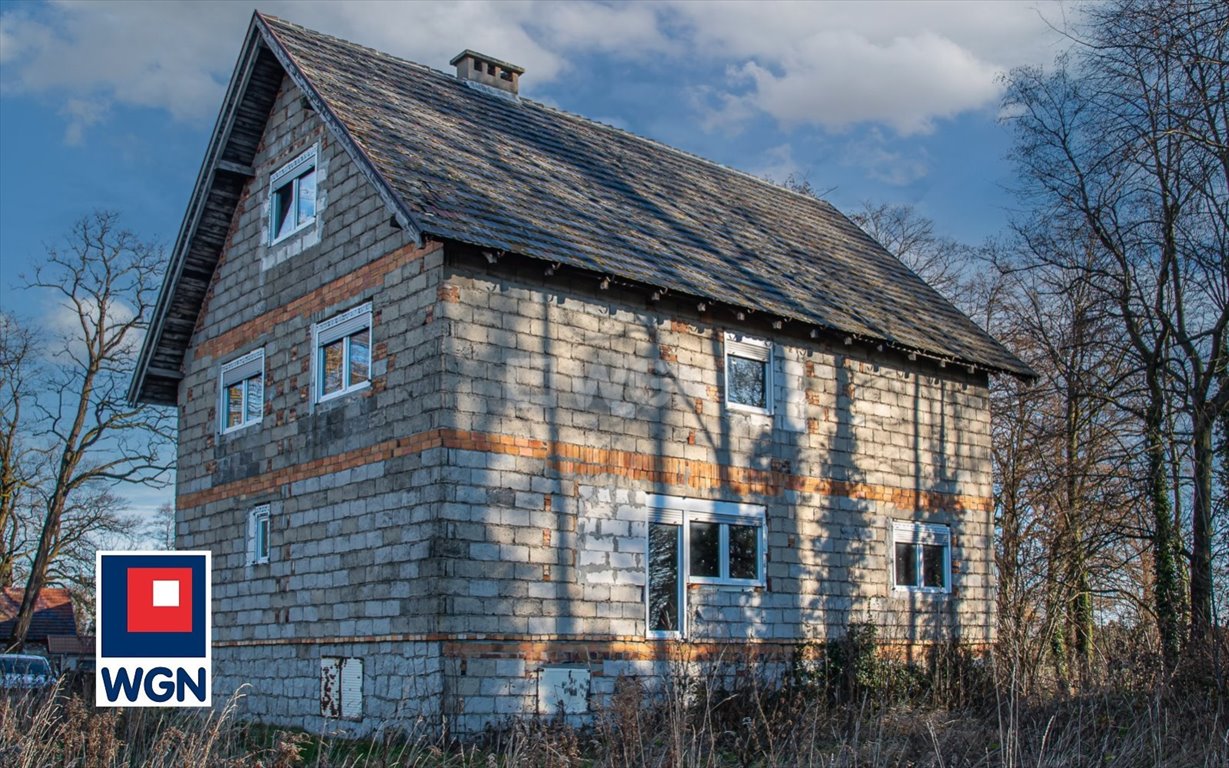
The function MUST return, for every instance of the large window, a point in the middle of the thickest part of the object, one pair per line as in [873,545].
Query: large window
[292,197]
[243,391]
[748,373]
[698,541]
[921,557]
[343,353]
[258,535]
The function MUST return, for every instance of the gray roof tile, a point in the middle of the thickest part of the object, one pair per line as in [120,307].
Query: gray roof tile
[516,175]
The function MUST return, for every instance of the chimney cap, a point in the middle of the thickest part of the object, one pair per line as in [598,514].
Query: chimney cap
[471,54]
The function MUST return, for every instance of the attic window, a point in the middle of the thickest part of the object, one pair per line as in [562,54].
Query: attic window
[292,197]
[748,374]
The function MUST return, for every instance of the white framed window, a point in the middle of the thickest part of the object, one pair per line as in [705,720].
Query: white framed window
[292,197]
[342,356]
[748,373]
[341,687]
[921,557]
[258,535]
[242,386]
[698,541]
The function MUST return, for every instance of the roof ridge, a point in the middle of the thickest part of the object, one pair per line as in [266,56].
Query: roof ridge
[810,199]
[840,278]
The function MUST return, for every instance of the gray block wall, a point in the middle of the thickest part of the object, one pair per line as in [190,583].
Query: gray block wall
[627,397]
[352,509]
[473,523]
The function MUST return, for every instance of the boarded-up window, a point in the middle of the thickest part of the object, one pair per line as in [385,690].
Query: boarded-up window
[341,687]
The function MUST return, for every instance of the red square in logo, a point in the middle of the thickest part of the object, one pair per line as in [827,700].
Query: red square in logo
[159,599]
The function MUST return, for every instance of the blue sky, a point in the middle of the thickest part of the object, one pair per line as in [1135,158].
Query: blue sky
[110,104]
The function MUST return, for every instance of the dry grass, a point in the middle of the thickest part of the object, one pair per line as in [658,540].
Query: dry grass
[957,713]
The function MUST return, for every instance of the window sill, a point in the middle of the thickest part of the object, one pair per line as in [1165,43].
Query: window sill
[750,409]
[900,591]
[305,225]
[241,427]
[663,635]
[709,581]
[322,399]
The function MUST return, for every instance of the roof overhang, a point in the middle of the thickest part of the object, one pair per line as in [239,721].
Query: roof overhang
[226,170]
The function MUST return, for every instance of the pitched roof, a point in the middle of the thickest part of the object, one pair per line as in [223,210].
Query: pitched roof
[53,613]
[513,175]
[71,645]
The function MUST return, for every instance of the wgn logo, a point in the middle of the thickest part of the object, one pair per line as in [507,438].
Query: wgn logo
[153,629]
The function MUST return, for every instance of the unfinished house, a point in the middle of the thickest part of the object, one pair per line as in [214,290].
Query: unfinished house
[483,405]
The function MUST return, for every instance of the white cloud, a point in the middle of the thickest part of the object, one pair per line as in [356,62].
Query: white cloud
[147,54]
[841,79]
[178,56]
[631,29]
[832,64]
[777,164]
[895,167]
[67,339]
[81,114]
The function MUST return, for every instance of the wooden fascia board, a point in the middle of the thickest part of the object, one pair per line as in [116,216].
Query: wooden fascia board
[341,133]
[196,205]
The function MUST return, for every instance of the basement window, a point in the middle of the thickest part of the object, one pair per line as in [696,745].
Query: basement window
[921,557]
[698,541]
[343,353]
[341,688]
[243,391]
[292,197]
[748,373]
[258,535]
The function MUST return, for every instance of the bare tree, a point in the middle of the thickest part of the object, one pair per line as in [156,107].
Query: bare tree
[106,280]
[17,345]
[1126,140]
[909,236]
[1065,471]
[160,529]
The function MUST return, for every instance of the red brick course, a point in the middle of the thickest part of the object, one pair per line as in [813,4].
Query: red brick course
[581,460]
[354,284]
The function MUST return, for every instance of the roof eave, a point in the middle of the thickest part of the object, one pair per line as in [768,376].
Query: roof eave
[1016,368]
[153,338]
[259,34]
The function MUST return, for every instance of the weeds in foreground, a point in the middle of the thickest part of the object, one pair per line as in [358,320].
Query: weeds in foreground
[844,707]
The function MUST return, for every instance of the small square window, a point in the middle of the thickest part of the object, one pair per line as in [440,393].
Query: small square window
[343,353]
[922,557]
[243,391]
[748,373]
[292,197]
[258,535]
